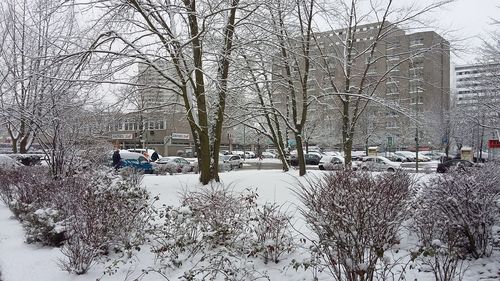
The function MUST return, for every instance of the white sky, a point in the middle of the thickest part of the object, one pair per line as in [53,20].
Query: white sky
[469,22]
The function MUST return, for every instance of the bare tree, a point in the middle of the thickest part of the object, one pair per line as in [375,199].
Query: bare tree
[353,71]
[27,35]
[189,44]
[40,97]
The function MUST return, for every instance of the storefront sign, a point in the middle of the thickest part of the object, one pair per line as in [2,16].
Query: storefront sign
[122,136]
[179,136]
[493,143]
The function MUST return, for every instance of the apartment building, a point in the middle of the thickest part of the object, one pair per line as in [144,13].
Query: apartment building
[476,102]
[409,71]
[156,91]
[476,85]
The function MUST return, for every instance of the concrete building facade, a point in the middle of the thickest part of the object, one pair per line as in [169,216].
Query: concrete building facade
[476,104]
[409,70]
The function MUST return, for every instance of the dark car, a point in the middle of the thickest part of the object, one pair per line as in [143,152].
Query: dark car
[453,164]
[311,159]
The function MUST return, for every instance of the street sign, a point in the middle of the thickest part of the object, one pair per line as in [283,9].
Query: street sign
[493,143]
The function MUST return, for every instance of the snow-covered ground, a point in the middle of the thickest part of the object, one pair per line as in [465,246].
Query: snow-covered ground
[20,261]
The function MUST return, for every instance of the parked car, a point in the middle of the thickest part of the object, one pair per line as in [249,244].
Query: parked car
[310,159]
[7,162]
[249,154]
[238,152]
[174,164]
[433,155]
[453,164]
[232,160]
[396,158]
[136,161]
[412,156]
[331,163]
[145,152]
[266,154]
[378,163]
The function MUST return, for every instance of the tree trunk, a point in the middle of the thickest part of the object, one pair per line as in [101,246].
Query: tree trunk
[300,155]
[13,140]
[346,135]
[23,145]
[204,160]
[223,72]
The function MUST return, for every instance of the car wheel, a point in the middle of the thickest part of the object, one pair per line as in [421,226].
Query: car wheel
[321,168]
[390,170]
[365,169]
[240,165]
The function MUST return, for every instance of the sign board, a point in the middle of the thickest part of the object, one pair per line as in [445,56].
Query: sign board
[372,151]
[467,153]
[493,143]
[179,136]
[122,136]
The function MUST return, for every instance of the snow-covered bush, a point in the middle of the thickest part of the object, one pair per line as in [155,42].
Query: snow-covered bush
[110,215]
[45,226]
[272,230]
[219,230]
[93,212]
[356,217]
[459,209]
[21,187]
[440,259]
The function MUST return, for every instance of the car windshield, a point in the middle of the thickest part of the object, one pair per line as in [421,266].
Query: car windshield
[226,157]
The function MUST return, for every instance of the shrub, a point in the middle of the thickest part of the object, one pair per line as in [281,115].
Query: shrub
[218,230]
[45,226]
[110,215]
[20,188]
[272,231]
[459,209]
[356,218]
[94,212]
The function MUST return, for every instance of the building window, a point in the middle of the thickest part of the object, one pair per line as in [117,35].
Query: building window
[419,99]
[391,125]
[156,125]
[416,86]
[418,42]
[392,89]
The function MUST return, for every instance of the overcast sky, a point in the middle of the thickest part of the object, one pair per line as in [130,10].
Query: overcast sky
[470,21]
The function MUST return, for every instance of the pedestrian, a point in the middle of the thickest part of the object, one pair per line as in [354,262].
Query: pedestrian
[116,159]
[154,156]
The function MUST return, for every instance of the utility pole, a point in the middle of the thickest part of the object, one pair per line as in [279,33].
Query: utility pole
[417,100]
[244,142]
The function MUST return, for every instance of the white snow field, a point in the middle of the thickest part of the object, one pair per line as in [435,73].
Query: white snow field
[23,262]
